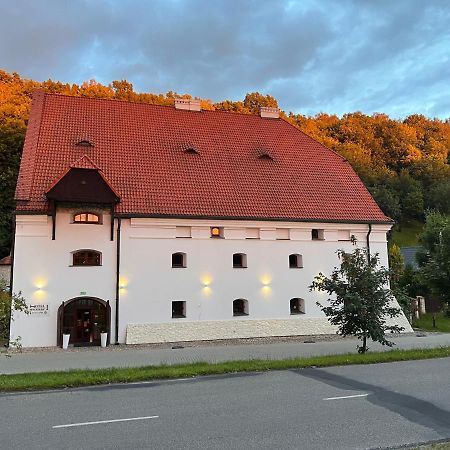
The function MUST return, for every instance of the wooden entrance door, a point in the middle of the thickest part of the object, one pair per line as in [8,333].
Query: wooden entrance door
[84,319]
[84,327]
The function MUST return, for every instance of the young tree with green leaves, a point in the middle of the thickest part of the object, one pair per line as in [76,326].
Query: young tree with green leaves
[360,301]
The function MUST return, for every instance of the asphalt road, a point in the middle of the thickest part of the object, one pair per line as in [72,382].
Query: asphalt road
[372,406]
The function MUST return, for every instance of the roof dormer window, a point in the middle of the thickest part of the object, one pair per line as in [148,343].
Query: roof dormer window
[192,151]
[84,143]
[265,156]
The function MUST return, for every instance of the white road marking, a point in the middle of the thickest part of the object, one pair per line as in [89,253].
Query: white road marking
[81,424]
[346,396]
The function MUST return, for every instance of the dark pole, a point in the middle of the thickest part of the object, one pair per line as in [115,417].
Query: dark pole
[117,278]
[368,242]
[11,275]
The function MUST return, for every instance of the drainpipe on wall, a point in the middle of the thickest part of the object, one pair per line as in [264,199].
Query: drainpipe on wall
[368,242]
[11,275]
[117,279]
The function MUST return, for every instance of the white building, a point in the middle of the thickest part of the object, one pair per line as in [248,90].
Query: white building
[164,224]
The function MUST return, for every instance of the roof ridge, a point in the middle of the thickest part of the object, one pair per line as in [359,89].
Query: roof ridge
[118,100]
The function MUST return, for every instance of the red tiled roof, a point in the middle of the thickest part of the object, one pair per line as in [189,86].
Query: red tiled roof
[6,261]
[141,150]
[84,163]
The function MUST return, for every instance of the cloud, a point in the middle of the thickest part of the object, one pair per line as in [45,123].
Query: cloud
[312,56]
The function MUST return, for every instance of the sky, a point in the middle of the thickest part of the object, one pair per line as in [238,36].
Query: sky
[332,56]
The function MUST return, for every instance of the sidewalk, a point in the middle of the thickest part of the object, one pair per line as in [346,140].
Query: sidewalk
[126,356]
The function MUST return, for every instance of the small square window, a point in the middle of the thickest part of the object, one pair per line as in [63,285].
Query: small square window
[297,306]
[317,235]
[295,261]
[240,307]
[178,309]
[178,260]
[239,261]
[216,232]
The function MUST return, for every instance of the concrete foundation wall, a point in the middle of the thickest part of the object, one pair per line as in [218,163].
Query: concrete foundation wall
[204,331]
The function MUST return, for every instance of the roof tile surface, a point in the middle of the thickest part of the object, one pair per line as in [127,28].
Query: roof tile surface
[141,150]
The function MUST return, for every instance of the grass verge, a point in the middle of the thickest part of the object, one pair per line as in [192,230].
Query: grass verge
[75,378]
[425,322]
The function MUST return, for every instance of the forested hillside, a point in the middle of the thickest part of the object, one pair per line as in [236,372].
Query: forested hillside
[404,163]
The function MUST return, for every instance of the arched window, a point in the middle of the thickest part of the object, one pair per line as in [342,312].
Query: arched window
[86,258]
[295,261]
[86,217]
[178,259]
[239,261]
[297,306]
[240,307]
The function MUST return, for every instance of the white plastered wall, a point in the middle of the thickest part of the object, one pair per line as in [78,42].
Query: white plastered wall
[44,275]
[208,284]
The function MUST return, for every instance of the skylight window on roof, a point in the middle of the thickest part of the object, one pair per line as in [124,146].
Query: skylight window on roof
[192,151]
[84,143]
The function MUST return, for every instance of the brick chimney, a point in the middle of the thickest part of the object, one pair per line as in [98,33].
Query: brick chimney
[270,113]
[187,104]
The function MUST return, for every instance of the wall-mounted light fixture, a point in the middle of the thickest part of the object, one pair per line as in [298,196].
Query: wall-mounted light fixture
[206,281]
[39,294]
[266,289]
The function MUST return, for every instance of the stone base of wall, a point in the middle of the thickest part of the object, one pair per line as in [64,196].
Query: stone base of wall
[152,333]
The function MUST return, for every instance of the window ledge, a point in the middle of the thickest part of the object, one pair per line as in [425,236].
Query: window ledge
[86,265]
[240,314]
[85,223]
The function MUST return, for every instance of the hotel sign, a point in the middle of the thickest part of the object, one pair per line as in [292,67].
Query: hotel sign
[38,310]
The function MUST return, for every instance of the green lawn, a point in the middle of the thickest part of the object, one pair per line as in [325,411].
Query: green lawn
[426,322]
[73,378]
[406,234]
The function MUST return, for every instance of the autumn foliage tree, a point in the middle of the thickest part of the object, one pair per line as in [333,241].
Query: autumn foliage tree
[404,163]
